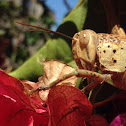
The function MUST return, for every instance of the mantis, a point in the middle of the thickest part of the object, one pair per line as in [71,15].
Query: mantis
[93,50]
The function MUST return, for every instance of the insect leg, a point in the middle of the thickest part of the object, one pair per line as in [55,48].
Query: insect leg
[89,87]
[93,75]
[78,73]
[46,87]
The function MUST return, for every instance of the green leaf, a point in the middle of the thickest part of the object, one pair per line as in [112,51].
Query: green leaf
[73,64]
[55,48]
[78,15]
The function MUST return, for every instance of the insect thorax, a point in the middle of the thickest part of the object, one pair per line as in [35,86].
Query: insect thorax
[111,51]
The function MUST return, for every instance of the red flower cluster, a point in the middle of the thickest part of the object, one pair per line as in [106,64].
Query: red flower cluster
[15,108]
[66,105]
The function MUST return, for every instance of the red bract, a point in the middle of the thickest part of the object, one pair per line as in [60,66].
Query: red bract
[120,120]
[96,120]
[15,108]
[68,106]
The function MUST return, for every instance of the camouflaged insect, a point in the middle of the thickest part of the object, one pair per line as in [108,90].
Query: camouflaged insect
[91,51]
[106,51]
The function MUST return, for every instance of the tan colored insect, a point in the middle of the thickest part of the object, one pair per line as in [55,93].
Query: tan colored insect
[105,51]
[92,50]
[108,49]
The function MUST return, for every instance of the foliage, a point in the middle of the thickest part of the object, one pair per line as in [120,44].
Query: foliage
[21,45]
[55,48]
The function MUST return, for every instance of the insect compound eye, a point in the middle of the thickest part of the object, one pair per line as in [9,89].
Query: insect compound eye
[84,38]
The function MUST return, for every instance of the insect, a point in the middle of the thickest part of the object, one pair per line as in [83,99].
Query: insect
[91,51]
[107,49]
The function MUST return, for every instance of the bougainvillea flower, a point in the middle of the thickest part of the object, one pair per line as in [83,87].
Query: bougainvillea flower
[68,106]
[15,108]
[96,120]
[119,120]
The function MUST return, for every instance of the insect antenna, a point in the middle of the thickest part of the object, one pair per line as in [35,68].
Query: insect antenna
[44,30]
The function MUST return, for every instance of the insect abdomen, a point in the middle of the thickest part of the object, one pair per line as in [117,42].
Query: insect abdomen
[111,52]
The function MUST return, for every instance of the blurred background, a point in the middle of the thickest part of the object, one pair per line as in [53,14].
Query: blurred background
[17,44]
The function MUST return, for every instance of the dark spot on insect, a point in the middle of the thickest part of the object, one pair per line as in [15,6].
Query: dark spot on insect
[105,39]
[94,75]
[104,35]
[73,52]
[108,46]
[111,37]
[121,48]
[118,41]
[114,40]
[114,51]
[104,51]
[97,76]
[114,61]
[125,66]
